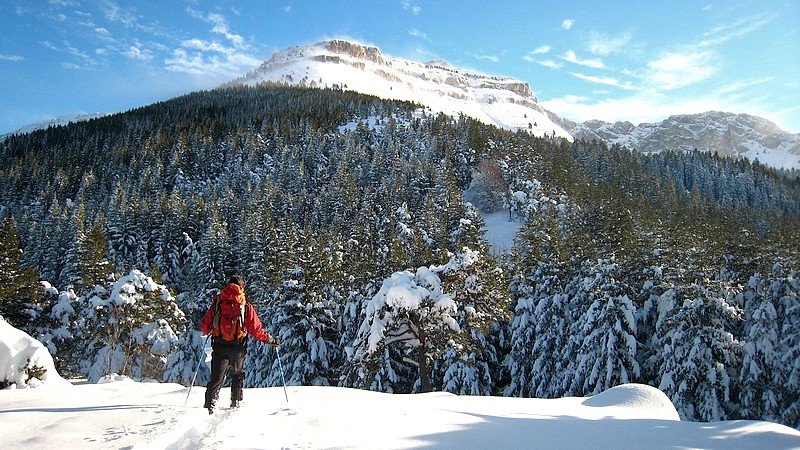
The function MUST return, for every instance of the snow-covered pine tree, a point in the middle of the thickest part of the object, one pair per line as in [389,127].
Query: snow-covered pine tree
[698,355]
[478,287]
[785,292]
[306,325]
[186,356]
[410,317]
[539,329]
[20,294]
[58,328]
[601,350]
[761,367]
[467,372]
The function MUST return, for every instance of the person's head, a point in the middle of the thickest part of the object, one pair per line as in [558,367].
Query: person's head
[237,280]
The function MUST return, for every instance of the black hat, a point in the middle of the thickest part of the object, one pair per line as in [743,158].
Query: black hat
[237,280]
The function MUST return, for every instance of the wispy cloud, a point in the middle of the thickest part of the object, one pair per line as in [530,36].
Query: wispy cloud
[567,24]
[11,58]
[115,13]
[549,63]
[491,58]
[675,70]
[409,6]
[740,85]
[533,56]
[570,56]
[726,32]
[136,52]
[605,80]
[604,45]
[418,33]
[82,60]
[226,58]
[541,50]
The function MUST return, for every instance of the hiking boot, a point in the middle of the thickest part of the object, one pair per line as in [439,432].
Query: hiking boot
[210,411]
[234,404]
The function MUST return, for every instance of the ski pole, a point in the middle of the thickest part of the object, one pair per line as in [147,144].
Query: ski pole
[283,379]
[200,359]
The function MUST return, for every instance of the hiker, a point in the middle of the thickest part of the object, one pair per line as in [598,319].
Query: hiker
[230,318]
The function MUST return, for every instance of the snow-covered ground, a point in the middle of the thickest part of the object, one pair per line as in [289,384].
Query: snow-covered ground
[500,231]
[126,414]
[120,413]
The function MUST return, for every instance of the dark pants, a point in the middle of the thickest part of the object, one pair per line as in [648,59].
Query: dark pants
[222,357]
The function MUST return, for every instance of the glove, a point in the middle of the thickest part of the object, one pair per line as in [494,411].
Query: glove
[273,341]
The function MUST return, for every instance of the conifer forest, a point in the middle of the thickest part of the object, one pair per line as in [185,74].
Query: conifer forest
[357,225]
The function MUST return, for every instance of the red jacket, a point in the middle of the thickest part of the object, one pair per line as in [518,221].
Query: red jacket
[252,324]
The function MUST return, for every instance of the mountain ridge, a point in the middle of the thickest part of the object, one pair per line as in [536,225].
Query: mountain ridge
[341,64]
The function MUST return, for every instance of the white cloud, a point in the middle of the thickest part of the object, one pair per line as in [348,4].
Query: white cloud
[604,80]
[676,70]
[11,58]
[491,58]
[115,13]
[567,24]
[532,56]
[103,33]
[221,27]
[210,57]
[742,84]
[408,6]
[197,56]
[570,56]
[541,50]
[137,53]
[604,45]
[550,64]
[417,33]
[63,3]
[724,33]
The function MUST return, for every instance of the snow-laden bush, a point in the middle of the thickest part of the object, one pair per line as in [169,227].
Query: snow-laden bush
[24,361]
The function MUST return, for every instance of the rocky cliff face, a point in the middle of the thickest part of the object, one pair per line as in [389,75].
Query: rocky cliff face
[355,50]
[724,133]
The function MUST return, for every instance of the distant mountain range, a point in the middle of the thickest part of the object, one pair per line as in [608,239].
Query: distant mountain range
[505,102]
[727,134]
[62,120]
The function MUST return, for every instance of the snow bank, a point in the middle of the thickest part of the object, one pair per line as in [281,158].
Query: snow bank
[21,354]
[638,397]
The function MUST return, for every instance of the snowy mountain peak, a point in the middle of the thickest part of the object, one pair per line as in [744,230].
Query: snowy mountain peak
[342,64]
[727,134]
[58,121]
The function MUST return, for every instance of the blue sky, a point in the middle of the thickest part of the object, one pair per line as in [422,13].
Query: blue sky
[612,60]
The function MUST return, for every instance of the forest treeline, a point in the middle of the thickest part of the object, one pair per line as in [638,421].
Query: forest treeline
[678,270]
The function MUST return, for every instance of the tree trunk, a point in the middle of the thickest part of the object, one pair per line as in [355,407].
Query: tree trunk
[422,360]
